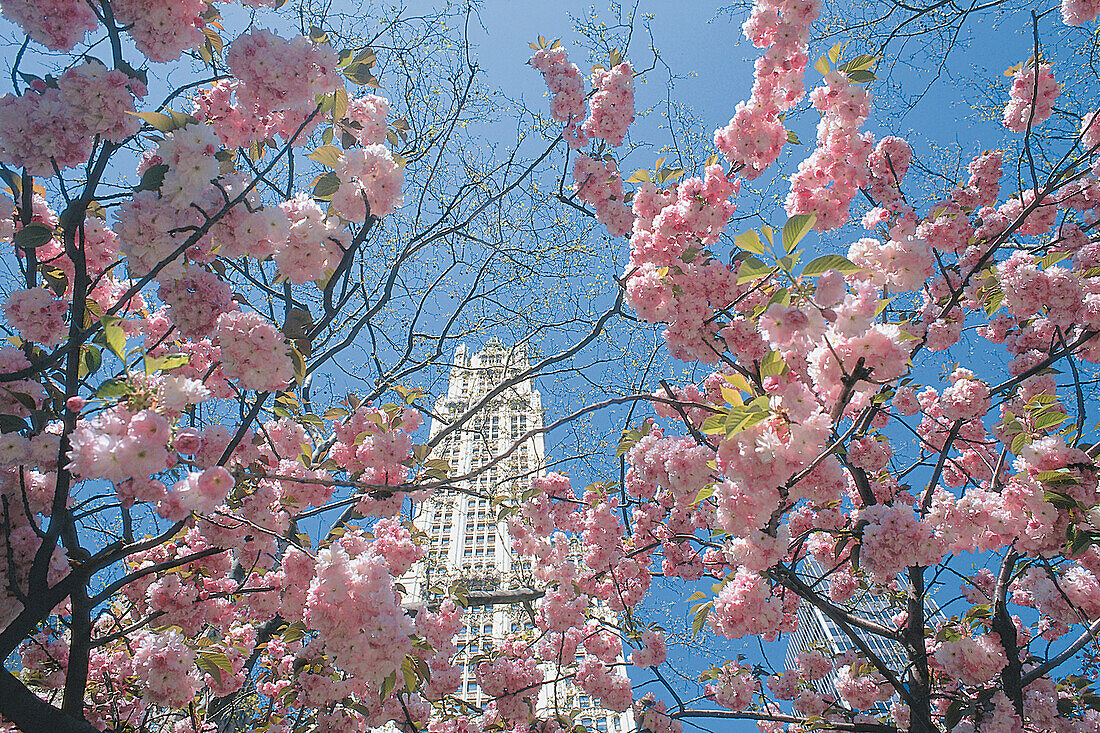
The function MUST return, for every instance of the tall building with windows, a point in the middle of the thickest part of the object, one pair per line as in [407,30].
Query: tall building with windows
[818,631]
[466,542]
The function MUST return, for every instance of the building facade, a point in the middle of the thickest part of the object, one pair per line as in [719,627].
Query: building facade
[817,631]
[466,542]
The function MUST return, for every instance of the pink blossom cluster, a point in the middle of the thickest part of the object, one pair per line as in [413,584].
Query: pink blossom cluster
[1079,12]
[196,300]
[746,606]
[315,242]
[353,606]
[164,664]
[276,74]
[752,139]
[967,398]
[600,681]
[971,660]
[984,183]
[829,179]
[253,351]
[56,24]
[904,263]
[14,360]
[653,653]
[370,183]
[59,125]
[374,445]
[393,542]
[369,117]
[755,135]
[734,687]
[118,444]
[189,154]
[861,686]
[246,229]
[37,315]
[102,100]
[652,714]
[598,183]
[669,226]
[238,123]
[198,492]
[895,538]
[1031,99]
[566,85]
[1090,141]
[887,165]
[513,683]
[611,106]
[147,229]
[1029,290]
[162,31]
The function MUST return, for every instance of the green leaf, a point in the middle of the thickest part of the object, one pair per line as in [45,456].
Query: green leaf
[408,671]
[166,362]
[1058,477]
[696,596]
[767,232]
[33,235]
[861,77]
[90,360]
[339,104]
[157,120]
[793,138]
[994,301]
[1060,500]
[112,389]
[714,424]
[627,441]
[752,269]
[796,228]
[294,632]
[772,365]
[153,177]
[11,424]
[822,65]
[1048,420]
[387,686]
[55,277]
[859,63]
[821,265]
[116,339]
[327,155]
[704,493]
[1052,259]
[326,186]
[744,417]
[360,73]
[750,242]
[668,174]
[1019,442]
[299,365]
[700,620]
[215,664]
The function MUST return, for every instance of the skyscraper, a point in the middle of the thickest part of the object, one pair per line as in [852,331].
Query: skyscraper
[816,630]
[466,542]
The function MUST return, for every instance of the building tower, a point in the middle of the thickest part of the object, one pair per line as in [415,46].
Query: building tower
[818,631]
[465,540]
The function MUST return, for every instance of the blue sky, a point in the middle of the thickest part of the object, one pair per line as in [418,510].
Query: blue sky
[713,64]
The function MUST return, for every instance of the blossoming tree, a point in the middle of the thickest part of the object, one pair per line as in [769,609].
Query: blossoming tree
[157,572]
